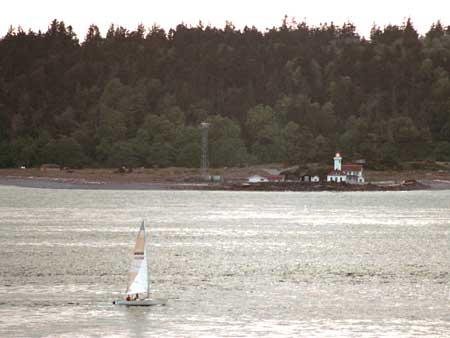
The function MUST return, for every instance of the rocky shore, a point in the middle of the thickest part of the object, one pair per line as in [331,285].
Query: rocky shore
[328,186]
[52,183]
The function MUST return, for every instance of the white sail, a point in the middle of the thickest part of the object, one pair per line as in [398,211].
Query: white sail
[138,274]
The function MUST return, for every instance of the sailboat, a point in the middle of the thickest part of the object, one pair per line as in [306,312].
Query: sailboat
[138,288]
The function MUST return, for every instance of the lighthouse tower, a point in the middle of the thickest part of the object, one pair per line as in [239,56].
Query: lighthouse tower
[338,162]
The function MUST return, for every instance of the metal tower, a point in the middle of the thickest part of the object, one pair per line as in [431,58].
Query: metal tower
[205,162]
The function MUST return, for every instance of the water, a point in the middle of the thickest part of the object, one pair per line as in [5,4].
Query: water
[234,264]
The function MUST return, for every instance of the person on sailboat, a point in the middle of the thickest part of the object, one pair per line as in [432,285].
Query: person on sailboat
[128,297]
[136,297]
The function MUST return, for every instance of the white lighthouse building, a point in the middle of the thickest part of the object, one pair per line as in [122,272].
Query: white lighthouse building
[337,175]
[350,173]
[337,162]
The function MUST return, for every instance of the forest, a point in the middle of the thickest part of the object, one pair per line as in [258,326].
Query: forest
[293,94]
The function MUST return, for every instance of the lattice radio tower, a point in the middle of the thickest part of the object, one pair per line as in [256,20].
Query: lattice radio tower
[205,162]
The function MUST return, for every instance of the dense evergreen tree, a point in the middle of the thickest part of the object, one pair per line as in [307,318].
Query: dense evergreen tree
[293,93]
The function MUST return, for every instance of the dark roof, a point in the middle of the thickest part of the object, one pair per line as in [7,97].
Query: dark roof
[352,167]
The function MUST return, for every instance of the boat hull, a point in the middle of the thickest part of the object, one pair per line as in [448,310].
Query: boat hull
[144,302]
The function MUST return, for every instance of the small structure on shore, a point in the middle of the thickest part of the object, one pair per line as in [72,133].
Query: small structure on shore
[309,178]
[216,179]
[275,178]
[300,174]
[269,178]
[350,173]
[315,179]
[257,179]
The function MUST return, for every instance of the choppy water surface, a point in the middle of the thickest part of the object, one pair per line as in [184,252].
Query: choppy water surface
[369,264]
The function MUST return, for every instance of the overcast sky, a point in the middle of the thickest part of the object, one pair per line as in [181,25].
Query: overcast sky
[37,14]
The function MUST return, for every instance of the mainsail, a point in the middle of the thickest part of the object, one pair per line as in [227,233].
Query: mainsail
[138,275]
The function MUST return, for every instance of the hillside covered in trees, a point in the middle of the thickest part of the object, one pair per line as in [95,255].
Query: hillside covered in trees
[292,94]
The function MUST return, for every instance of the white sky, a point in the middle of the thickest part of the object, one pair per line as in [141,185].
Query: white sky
[37,14]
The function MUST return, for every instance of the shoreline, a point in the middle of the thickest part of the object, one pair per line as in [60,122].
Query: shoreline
[231,179]
[44,182]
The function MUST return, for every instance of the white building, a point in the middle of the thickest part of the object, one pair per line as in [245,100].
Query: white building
[350,173]
[257,179]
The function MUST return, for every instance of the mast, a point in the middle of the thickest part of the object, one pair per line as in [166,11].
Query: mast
[146,254]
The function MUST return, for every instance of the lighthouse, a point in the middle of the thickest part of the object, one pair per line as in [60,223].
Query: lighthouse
[338,162]
[348,173]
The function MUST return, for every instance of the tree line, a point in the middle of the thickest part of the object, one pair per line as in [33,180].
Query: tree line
[292,94]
